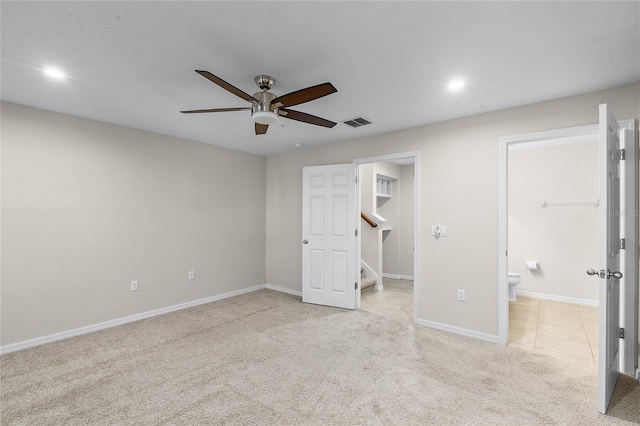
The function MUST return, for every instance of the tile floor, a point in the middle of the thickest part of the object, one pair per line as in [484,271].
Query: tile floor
[394,302]
[560,330]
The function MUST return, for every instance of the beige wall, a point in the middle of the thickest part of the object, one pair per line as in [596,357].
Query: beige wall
[564,239]
[389,208]
[388,252]
[369,240]
[406,220]
[398,210]
[458,187]
[87,207]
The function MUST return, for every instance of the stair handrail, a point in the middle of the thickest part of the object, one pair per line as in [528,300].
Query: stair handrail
[368,220]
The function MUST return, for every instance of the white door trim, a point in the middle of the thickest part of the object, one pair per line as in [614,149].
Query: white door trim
[389,157]
[542,137]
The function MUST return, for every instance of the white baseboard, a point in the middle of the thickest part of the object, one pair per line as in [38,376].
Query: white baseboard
[397,277]
[284,290]
[458,330]
[125,320]
[563,299]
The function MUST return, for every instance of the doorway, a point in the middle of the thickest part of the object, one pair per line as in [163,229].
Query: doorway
[388,228]
[553,217]
[617,243]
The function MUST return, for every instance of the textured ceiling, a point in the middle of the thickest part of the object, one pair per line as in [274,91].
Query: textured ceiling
[132,63]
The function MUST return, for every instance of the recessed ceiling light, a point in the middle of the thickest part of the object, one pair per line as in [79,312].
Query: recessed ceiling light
[298,145]
[54,73]
[456,84]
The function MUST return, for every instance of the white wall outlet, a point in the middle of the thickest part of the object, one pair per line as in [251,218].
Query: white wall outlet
[461,296]
[134,285]
[192,275]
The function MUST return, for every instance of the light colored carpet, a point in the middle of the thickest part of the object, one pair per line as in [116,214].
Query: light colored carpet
[266,358]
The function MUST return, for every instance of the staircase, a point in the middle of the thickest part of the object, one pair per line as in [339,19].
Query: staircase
[366,283]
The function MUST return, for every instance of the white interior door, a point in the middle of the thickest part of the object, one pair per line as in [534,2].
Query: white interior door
[609,275]
[629,291]
[329,235]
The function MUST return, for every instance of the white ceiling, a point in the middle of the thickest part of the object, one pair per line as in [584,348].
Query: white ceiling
[132,63]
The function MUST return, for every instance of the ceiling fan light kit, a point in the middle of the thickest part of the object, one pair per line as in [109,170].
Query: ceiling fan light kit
[263,112]
[264,117]
[267,107]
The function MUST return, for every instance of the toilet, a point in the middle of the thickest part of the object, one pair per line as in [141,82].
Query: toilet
[514,280]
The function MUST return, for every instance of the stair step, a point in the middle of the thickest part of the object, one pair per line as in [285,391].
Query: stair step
[367,282]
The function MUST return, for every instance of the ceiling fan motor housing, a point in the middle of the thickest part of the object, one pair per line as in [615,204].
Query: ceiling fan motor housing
[263,112]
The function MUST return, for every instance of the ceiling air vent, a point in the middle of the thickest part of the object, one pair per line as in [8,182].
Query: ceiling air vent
[357,122]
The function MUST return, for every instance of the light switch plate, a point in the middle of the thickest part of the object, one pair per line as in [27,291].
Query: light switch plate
[439,230]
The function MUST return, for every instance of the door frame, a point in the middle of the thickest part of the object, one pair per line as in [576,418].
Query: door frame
[416,170]
[631,314]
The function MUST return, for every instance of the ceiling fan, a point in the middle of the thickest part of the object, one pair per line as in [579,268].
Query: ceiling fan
[267,107]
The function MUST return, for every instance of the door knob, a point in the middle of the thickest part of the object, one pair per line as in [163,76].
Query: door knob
[305,242]
[616,274]
[592,271]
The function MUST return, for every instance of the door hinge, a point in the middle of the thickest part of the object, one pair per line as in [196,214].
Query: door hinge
[356,232]
[356,287]
[356,179]
[622,333]
[623,154]
[622,244]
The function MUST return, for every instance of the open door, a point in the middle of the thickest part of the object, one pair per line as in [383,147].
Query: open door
[329,235]
[610,276]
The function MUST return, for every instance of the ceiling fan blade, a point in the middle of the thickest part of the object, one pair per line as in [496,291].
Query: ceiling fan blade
[196,111]
[261,129]
[305,118]
[229,87]
[304,95]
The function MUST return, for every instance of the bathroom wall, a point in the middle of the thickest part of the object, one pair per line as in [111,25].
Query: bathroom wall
[564,239]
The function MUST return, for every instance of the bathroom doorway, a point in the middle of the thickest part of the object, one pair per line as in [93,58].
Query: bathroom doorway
[553,220]
[387,236]
[617,269]
[608,240]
